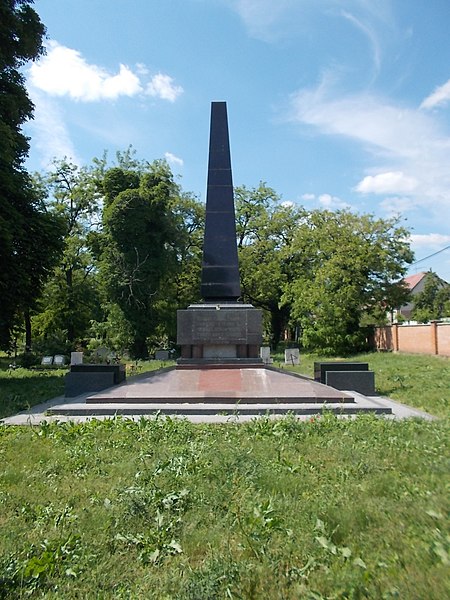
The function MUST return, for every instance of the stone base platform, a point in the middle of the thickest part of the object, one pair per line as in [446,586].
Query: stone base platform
[213,393]
[272,394]
[231,385]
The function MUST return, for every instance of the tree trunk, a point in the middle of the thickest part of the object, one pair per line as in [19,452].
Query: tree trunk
[70,306]
[277,322]
[139,348]
[27,320]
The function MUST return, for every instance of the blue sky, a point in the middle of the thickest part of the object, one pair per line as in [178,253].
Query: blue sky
[333,103]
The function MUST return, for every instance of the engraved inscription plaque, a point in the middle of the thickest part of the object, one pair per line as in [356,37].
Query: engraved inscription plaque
[219,326]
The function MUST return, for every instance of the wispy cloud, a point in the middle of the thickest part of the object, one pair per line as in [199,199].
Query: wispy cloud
[370,34]
[163,86]
[408,149]
[264,18]
[430,240]
[439,97]
[269,20]
[173,160]
[65,72]
[397,205]
[50,134]
[326,201]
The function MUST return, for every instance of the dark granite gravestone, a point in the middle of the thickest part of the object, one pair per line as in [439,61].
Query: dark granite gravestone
[222,330]
[355,381]
[346,375]
[84,378]
[321,368]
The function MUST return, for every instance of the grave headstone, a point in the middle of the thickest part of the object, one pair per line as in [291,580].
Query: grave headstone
[47,360]
[59,360]
[102,353]
[355,381]
[162,355]
[292,356]
[264,353]
[321,368]
[76,358]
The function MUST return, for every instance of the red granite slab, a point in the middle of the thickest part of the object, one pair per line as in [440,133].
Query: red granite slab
[215,385]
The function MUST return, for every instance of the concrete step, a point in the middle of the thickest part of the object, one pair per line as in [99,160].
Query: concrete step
[225,398]
[190,409]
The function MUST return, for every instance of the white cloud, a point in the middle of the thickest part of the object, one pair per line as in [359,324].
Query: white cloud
[408,148]
[392,182]
[332,202]
[390,129]
[50,135]
[173,160]
[327,201]
[64,72]
[163,87]
[262,17]
[441,95]
[271,20]
[397,205]
[430,240]
[370,34]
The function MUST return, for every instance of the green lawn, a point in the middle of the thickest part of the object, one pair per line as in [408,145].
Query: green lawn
[164,509]
[418,380]
[21,388]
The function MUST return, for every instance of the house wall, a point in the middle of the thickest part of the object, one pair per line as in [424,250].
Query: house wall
[406,310]
[433,338]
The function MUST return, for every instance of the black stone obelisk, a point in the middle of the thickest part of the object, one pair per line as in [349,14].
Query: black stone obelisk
[220,270]
[220,331]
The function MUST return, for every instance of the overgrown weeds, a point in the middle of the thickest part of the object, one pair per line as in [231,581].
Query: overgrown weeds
[268,509]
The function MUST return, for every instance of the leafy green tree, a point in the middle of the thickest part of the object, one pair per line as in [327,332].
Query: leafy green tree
[347,265]
[264,228]
[139,250]
[433,302]
[70,300]
[181,285]
[30,236]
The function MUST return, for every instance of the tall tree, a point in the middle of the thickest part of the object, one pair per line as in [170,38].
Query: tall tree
[29,235]
[139,250]
[70,299]
[346,265]
[264,229]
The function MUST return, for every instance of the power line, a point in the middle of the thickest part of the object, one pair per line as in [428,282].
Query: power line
[430,256]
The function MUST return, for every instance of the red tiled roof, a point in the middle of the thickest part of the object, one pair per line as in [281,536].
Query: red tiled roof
[412,280]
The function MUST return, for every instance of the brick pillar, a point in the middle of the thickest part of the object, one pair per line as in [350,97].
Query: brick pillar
[434,337]
[395,337]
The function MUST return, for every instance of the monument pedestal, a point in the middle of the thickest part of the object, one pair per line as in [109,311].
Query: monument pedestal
[226,333]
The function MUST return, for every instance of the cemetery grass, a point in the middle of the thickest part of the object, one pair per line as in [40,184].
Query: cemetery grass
[417,380]
[21,389]
[165,509]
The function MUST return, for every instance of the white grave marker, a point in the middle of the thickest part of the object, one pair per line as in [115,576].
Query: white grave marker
[292,356]
[76,358]
[264,353]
